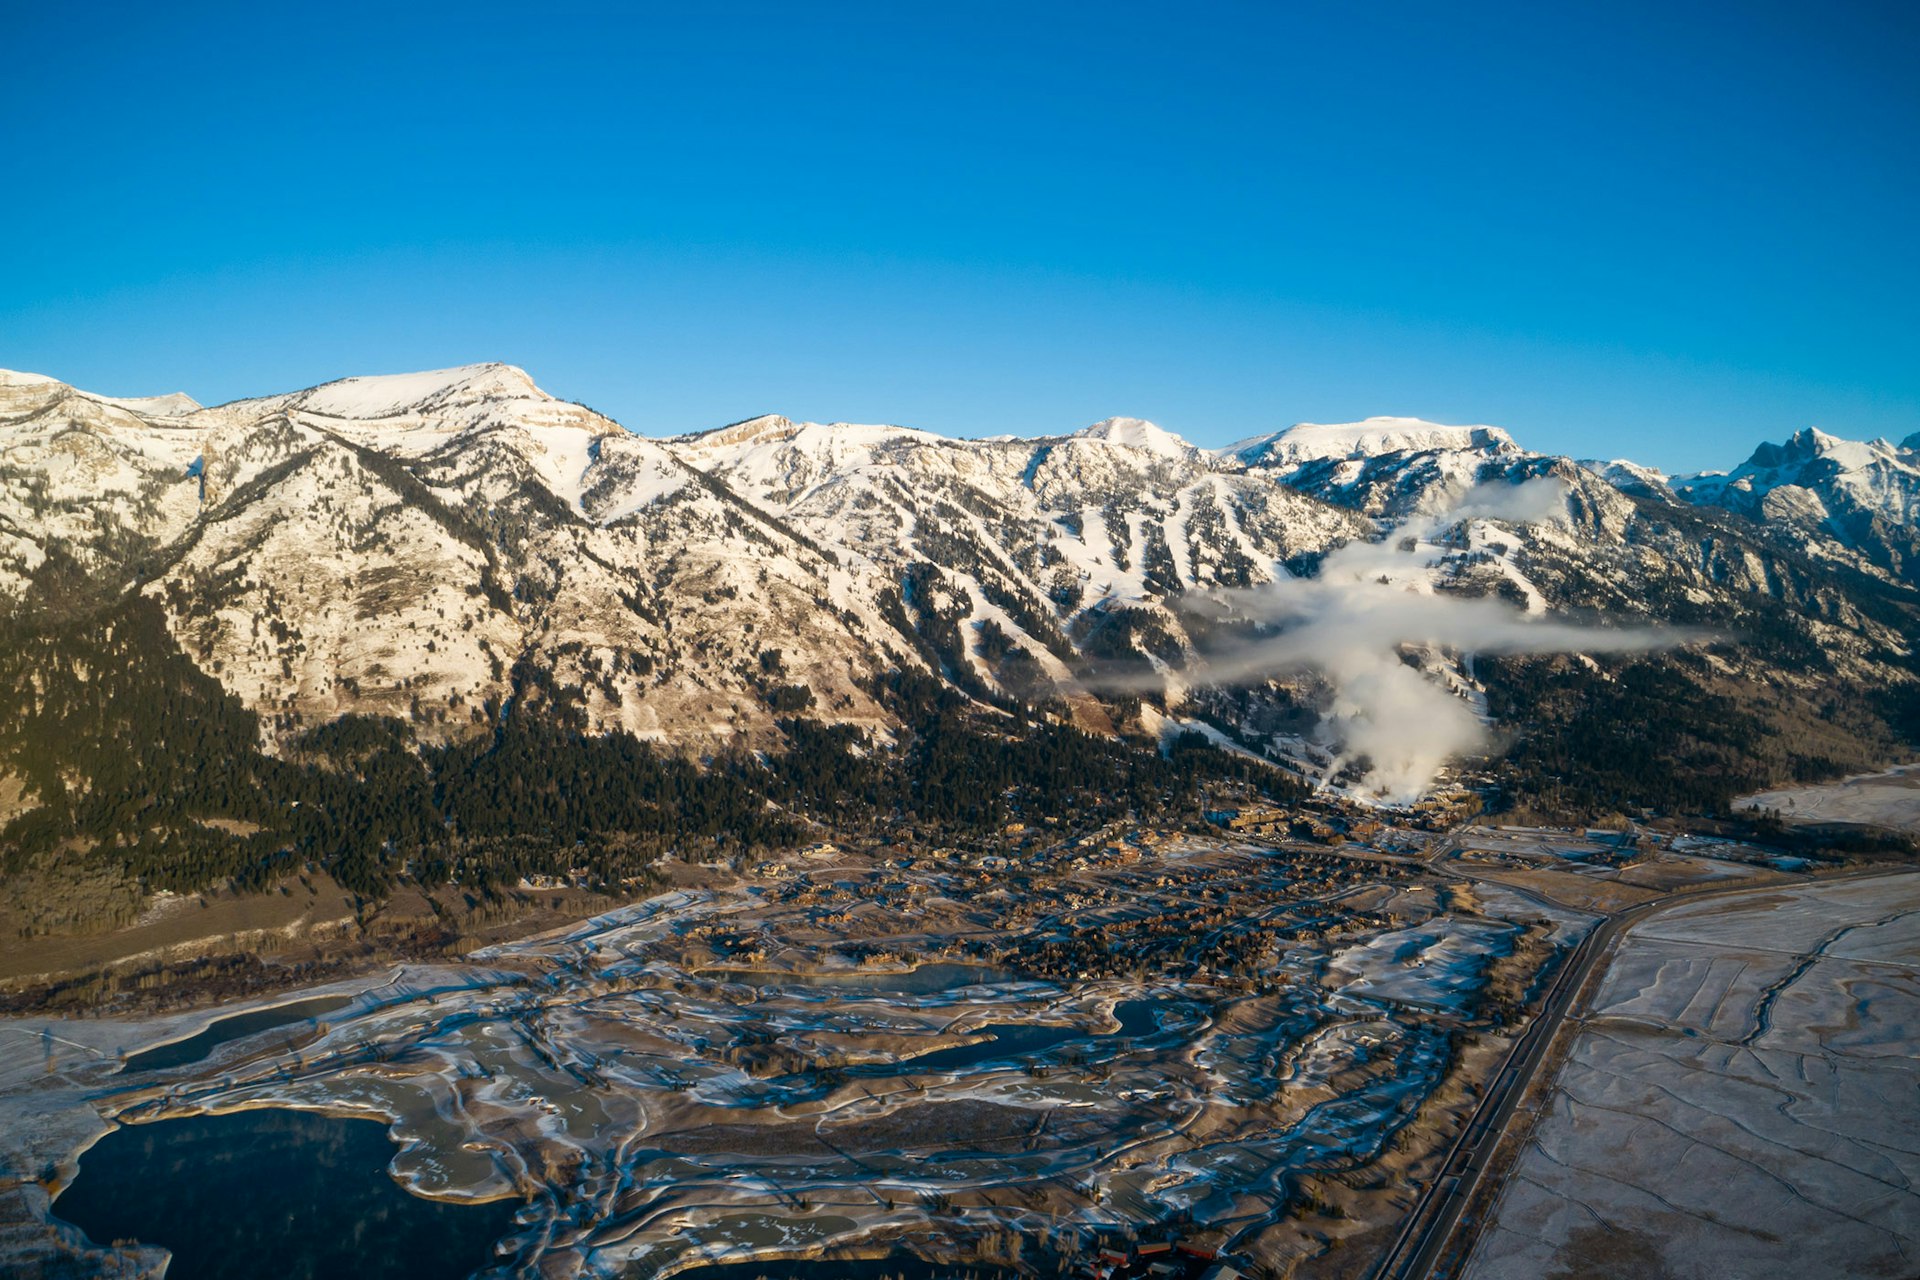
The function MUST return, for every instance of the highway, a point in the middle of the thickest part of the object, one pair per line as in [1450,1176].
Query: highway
[1424,1237]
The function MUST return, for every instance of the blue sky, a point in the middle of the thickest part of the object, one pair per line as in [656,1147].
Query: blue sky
[1614,229]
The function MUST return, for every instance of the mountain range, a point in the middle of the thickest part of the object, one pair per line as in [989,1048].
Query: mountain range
[437,554]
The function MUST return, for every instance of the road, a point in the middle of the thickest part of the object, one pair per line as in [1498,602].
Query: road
[1429,1228]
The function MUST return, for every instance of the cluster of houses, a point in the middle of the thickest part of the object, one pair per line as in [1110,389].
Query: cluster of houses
[1157,1260]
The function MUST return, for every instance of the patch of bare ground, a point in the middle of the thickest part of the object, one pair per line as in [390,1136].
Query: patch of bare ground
[222,946]
[1572,889]
[1609,1251]
[179,928]
[1199,1063]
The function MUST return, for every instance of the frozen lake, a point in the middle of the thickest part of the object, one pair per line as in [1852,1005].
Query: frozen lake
[288,1193]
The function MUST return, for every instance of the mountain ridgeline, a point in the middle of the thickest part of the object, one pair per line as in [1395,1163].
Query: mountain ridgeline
[446,626]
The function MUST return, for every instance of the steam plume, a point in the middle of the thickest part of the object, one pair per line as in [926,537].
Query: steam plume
[1374,598]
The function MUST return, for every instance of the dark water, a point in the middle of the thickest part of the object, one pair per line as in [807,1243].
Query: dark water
[286,1194]
[1141,1018]
[196,1047]
[1138,1019]
[1010,1040]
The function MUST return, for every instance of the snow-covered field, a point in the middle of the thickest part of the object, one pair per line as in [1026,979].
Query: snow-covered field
[1890,799]
[1436,964]
[1741,1101]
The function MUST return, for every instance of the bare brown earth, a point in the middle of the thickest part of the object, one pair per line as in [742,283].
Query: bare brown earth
[176,928]
[221,946]
[1269,1045]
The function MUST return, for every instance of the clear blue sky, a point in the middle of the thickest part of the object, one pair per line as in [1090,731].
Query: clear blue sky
[1660,231]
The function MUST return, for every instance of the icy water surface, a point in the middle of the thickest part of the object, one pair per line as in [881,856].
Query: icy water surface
[1026,1041]
[196,1047]
[630,1107]
[283,1193]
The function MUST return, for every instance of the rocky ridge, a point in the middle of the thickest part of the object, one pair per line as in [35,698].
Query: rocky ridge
[438,547]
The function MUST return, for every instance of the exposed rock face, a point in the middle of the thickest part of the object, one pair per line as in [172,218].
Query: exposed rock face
[433,546]
[1857,501]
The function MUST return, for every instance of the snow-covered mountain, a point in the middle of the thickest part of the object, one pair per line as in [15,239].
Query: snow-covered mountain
[1383,466]
[1306,442]
[402,545]
[1861,498]
[438,547]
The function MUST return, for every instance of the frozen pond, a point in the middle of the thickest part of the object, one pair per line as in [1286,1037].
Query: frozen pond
[927,979]
[1008,1041]
[905,1267]
[224,1030]
[287,1193]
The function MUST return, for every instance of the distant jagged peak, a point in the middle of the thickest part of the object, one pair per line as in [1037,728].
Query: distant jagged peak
[1810,446]
[1810,443]
[1819,481]
[1312,441]
[1138,433]
[1630,477]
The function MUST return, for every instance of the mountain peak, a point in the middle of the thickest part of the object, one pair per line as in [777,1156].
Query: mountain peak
[391,395]
[1311,441]
[1810,444]
[173,405]
[1138,433]
[764,428]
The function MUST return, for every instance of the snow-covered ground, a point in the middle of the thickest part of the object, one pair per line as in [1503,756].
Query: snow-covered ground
[1890,799]
[1308,441]
[1438,963]
[1740,1101]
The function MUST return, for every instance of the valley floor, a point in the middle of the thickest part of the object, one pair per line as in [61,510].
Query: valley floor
[1739,1100]
[1890,799]
[1259,1047]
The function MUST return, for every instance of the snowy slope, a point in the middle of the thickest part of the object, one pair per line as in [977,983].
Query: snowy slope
[436,545]
[1138,433]
[1859,499]
[1843,477]
[392,395]
[396,545]
[1311,441]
